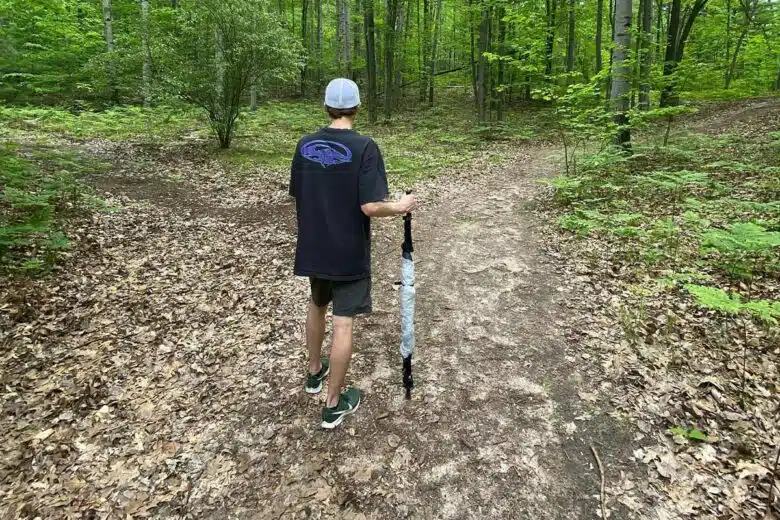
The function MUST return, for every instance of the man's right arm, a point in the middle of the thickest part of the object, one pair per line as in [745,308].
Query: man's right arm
[389,209]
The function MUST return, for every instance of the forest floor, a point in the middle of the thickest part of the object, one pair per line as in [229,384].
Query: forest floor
[160,374]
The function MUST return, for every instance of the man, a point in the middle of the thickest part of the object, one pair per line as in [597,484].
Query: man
[338,180]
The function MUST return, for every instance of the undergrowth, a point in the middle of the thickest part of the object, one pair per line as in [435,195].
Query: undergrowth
[416,144]
[39,191]
[698,222]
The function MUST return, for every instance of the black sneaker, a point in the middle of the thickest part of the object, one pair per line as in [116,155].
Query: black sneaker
[349,401]
[315,382]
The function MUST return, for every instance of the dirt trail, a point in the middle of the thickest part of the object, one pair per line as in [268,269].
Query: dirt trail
[173,367]
[492,424]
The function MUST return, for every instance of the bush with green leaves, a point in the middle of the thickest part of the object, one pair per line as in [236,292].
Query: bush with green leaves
[582,117]
[220,49]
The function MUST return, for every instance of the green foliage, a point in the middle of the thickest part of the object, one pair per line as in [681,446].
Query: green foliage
[693,433]
[37,193]
[744,247]
[219,50]
[582,117]
[718,300]
[44,46]
[117,123]
[649,119]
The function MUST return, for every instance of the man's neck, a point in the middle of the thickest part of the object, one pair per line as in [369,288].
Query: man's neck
[341,123]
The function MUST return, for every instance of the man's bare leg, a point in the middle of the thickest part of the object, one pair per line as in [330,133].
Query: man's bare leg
[340,355]
[315,333]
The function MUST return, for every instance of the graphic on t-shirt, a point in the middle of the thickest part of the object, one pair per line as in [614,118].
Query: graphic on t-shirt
[327,153]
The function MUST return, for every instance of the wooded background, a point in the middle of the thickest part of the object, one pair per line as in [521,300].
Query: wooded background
[401,52]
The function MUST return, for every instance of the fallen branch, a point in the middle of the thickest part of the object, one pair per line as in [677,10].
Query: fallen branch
[603,483]
[438,73]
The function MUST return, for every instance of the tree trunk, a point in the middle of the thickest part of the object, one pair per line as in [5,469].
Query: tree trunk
[474,89]
[659,12]
[357,30]
[646,55]
[500,96]
[748,11]
[668,95]
[434,50]
[344,58]
[391,16]
[621,70]
[676,38]
[220,117]
[108,35]
[599,34]
[611,50]
[482,79]
[570,44]
[320,57]
[304,42]
[552,8]
[147,65]
[368,29]
[399,56]
[728,33]
[425,45]
[733,66]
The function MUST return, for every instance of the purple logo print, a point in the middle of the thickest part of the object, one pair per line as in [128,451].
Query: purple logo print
[327,153]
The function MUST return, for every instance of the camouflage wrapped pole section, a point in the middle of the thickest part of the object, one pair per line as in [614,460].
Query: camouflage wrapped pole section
[407,305]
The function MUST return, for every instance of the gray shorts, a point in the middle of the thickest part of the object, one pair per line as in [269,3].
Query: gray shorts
[349,298]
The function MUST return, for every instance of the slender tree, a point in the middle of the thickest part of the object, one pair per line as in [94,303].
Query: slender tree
[147,59]
[646,55]
[621,70]
[319,44]
[679,29]
[108,35]
[749,8]
[343,37]
[425,48]
[599,34]
[501,97]
[304,41]
[219,83]
[391,17]
[659,20]
[370,34]
[552,8]
[482,69]
[434,50]
[570,41]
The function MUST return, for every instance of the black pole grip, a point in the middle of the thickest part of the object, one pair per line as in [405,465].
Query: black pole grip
[408,245]
[408,380]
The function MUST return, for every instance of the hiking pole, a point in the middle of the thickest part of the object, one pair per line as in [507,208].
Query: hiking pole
[407,304]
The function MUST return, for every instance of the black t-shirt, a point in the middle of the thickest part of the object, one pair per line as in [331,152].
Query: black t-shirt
[334,172]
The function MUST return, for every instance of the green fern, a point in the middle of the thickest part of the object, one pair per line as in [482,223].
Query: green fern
[719,300]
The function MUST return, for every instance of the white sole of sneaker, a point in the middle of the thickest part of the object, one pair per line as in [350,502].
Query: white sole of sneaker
[318,389]
[331,425]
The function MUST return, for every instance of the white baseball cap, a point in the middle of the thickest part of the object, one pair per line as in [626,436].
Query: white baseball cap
[342,93]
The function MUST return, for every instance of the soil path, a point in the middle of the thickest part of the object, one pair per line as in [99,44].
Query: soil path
[491,429]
